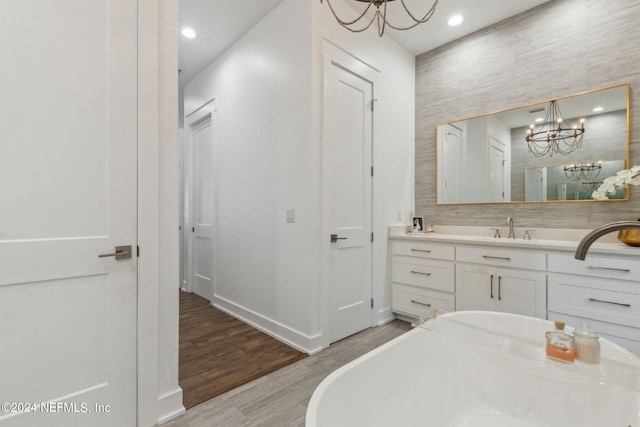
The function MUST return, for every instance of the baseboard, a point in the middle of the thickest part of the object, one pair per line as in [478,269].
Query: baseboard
[170,406]
[296,339]
[385,316]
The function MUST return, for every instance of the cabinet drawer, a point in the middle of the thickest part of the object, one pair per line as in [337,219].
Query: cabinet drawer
[413,301]
[426,273]
[423,249]
[503,257]
[613,301]
[614,267]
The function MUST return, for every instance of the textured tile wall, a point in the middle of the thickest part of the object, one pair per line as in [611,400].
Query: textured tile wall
[561,48]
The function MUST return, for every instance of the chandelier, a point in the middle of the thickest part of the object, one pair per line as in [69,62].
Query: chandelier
[592,185]
[583,171]
[380,17]
[553,136]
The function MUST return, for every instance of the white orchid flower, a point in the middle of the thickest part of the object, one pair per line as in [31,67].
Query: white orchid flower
[626,175]
[613,183]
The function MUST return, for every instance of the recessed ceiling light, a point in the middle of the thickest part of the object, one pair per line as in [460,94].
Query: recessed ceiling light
[455,20]
[188,33]
[597,109]
[539,120]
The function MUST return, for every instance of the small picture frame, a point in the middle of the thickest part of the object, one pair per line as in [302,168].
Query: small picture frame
[417,224]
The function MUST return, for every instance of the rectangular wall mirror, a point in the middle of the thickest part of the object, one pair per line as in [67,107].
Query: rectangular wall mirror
[520,155]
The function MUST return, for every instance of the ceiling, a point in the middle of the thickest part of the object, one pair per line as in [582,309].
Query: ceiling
[219,23]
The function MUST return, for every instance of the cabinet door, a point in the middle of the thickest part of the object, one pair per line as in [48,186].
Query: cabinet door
[475,287]
[521,292]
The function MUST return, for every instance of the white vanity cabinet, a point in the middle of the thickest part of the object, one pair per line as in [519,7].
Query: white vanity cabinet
[603,291]
[501,279]
[422,277]
[532,278]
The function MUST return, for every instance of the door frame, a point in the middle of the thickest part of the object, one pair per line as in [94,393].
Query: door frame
[209,108]
[334,55]
[159,395]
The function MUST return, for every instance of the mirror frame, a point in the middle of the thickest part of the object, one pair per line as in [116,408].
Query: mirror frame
[626,160]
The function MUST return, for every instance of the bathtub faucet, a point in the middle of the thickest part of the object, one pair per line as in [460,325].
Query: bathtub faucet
[587,241]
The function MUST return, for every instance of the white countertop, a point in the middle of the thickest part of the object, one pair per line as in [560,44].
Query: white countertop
[609,247]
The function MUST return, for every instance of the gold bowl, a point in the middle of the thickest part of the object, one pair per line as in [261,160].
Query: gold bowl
[630,237]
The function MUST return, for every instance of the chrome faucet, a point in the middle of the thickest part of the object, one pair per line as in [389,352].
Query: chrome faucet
[587,241]
[512,234]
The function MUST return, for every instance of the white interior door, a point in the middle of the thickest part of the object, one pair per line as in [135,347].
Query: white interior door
[535,184]
[348,144]
[68,168]
[201,130]
[450,143]
[496,170]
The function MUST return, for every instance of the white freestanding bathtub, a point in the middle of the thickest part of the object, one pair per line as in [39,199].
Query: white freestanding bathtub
[478,369]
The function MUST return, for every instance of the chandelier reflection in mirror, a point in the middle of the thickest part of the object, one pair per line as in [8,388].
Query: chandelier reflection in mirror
[583,171]
[552,136]
[380,17]
[591,185]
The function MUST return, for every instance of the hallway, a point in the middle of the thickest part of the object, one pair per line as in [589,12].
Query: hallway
[219,352]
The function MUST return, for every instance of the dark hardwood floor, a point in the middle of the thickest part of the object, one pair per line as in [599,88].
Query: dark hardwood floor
[219,353]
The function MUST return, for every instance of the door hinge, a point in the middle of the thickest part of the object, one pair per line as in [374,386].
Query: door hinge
[371,170]
[138,251]
[193,229]
[372,237]
[371,302]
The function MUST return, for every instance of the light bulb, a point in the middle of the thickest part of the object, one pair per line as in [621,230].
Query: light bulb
[188,33]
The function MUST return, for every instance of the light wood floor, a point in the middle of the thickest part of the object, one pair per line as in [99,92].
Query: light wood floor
[280,399]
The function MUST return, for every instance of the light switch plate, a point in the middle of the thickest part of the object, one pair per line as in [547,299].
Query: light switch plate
[291,216]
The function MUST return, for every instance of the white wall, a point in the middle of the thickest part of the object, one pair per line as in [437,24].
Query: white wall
[268,87]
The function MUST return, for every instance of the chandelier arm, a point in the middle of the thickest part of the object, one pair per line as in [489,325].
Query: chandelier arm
[417,22]
[384,20]
[345,23]
[402,28]
[355,30]
[425,18]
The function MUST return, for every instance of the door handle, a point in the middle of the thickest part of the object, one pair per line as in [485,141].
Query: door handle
[420,272]
[491,286]
[610,302]
[496,257]
[335,238]
[421,303]
[122,252]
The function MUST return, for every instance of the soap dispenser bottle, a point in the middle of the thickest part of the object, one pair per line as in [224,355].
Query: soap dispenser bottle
[560,346]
